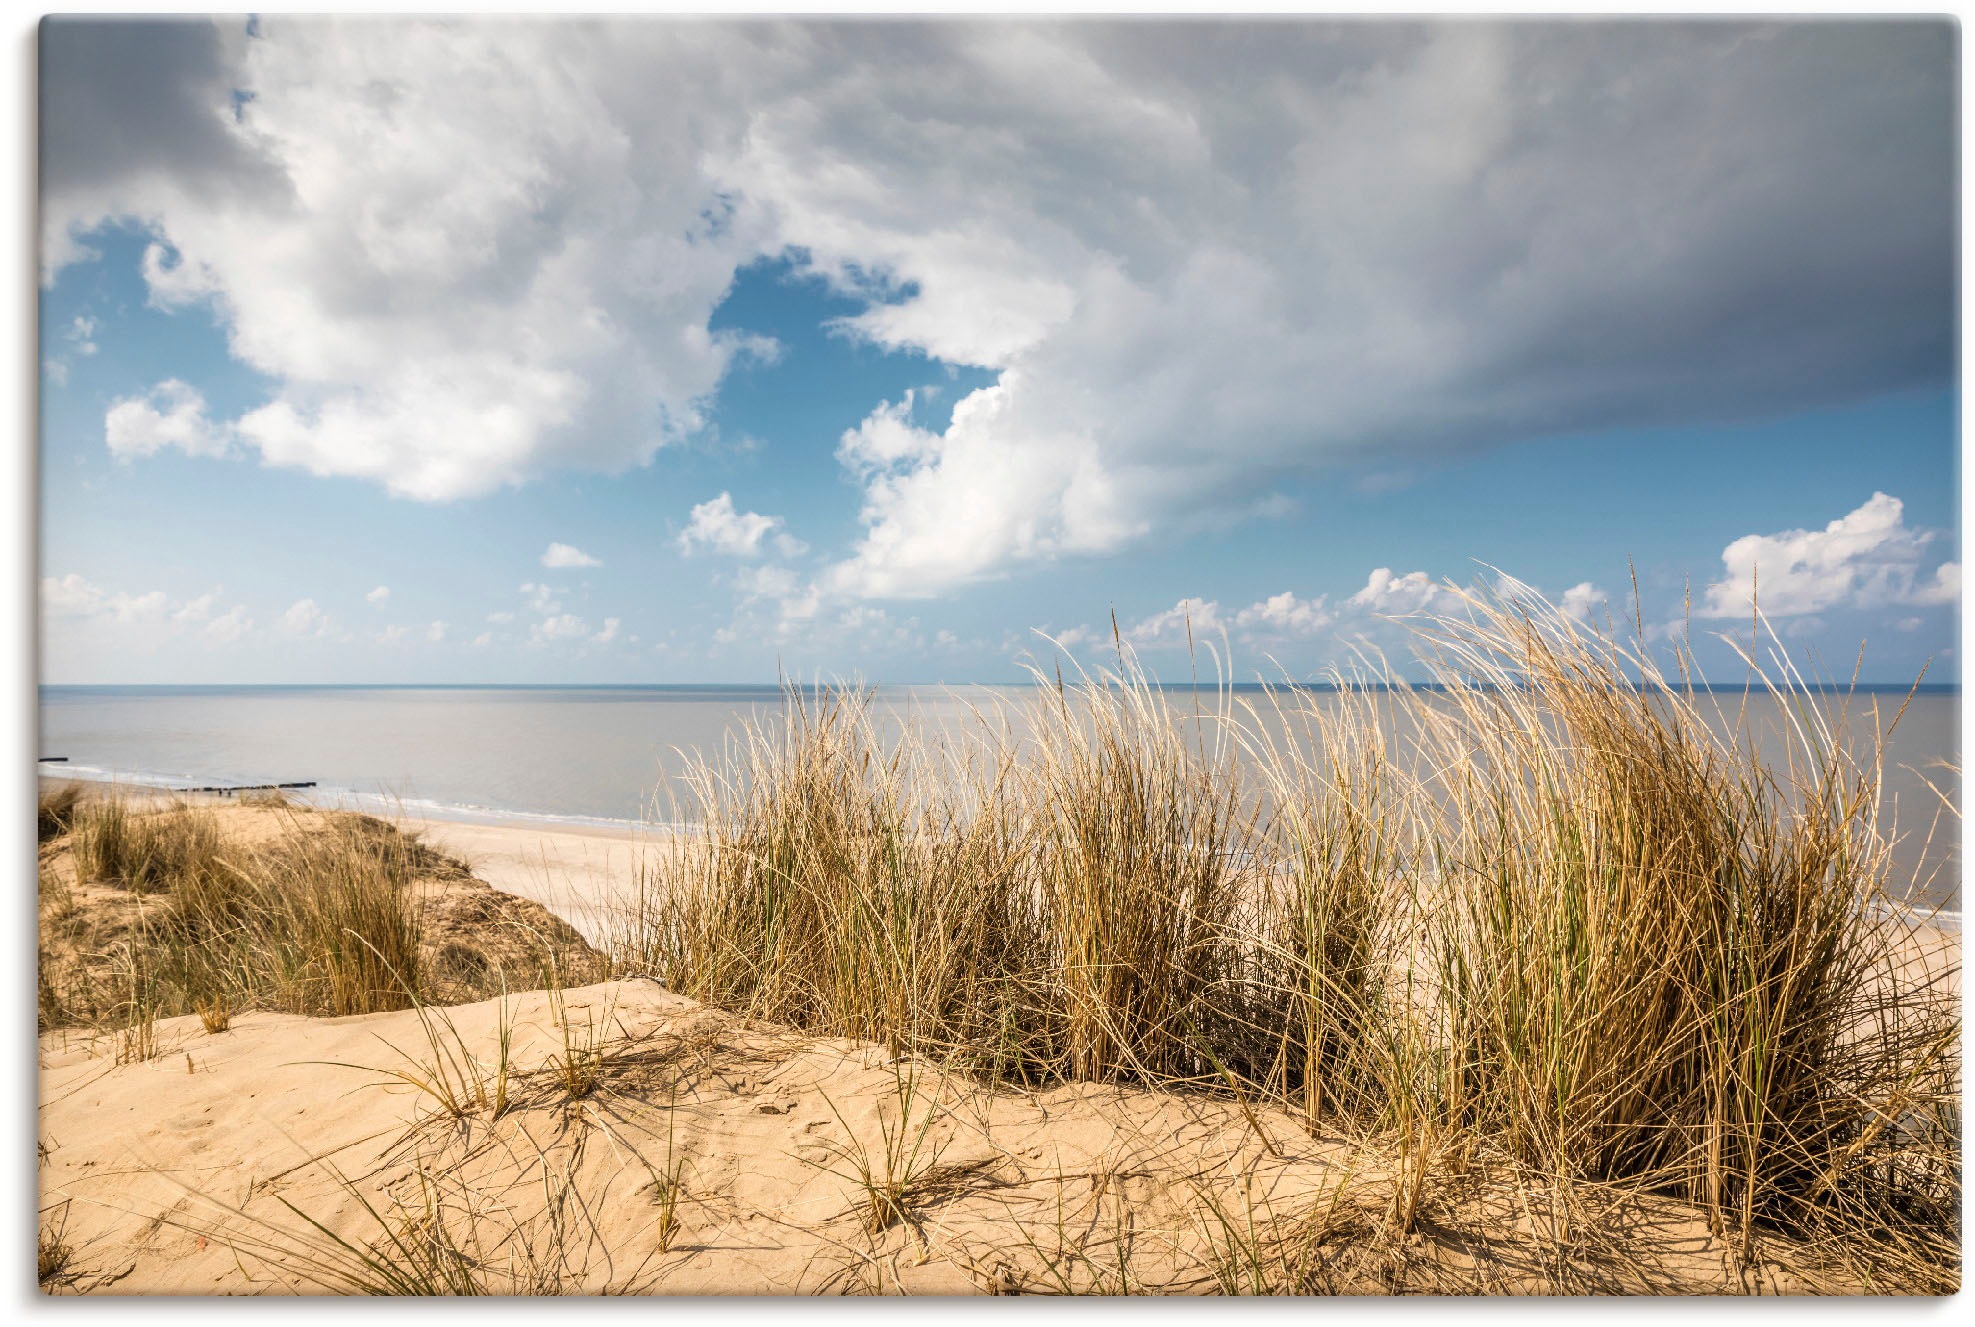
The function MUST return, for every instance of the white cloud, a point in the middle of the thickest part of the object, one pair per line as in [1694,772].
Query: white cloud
[1195,259]
[563,626]
[356,261]
[717,528]
[608,633]
[1200,617]
[198,610]
[436,632]
[69,596]
[565,555]
[1235,260]
[502,616]
[1284,615]
[303,619]
[74,596]
[1867,558]
[1391,596]
[172,415]
[139,608]
[1585,602]
[153,616]
[231,625]
[80,334]
[378,595]
[483,640]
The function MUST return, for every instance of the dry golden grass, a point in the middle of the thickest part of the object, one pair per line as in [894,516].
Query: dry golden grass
[1548,941]
[151,913]
[1551,910]
[55,811]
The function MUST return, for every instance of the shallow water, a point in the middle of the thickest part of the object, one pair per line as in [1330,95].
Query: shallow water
[613,754]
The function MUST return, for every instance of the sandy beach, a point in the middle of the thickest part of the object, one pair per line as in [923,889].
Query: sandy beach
[589,877]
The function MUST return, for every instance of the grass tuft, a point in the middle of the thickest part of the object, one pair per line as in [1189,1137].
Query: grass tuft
[1558,907]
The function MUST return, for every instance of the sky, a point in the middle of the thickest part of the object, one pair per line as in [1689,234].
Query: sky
[379,351]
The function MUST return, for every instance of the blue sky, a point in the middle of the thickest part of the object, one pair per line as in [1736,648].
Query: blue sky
[873,350]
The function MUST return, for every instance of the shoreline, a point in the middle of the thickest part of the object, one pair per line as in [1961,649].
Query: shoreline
[587,872]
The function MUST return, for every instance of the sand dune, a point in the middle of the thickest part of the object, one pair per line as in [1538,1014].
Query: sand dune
[620,1137]
[202,1170]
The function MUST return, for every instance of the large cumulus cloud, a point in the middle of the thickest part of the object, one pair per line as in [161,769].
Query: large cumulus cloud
[1198,257]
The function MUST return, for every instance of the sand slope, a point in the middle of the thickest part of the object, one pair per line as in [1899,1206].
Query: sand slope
[298,1155]
[199,1171]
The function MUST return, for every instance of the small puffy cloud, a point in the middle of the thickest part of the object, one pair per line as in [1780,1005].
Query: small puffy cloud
[1867,558]
[562,626]
[172,414]
[139,607]
[303,619]
[501,616]
[378,595]
[1583,601]
[1389,595]
[74,596]
[436,632]
[1284,615]
[483,640]
[69,596]
[608,633]
[199,609]
[567,555]
[1200,617]
[541,598]
[80,334]
[716,527]
[230,626]
[147,618]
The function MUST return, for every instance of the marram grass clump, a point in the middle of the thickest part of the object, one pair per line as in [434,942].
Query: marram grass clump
[1554,909]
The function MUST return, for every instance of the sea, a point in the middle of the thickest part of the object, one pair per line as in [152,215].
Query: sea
[612,756]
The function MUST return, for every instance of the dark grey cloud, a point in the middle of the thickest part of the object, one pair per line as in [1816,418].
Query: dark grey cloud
[124,99]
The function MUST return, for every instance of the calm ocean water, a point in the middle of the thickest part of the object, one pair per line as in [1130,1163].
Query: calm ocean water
[606,754]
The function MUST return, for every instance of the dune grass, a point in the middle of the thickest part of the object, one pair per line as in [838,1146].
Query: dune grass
[1556,916]
[55,810]
[322,922]
[1552,910]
